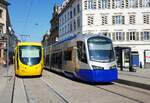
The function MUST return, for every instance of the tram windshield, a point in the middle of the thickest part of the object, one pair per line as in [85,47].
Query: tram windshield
[100,49]
[30,55]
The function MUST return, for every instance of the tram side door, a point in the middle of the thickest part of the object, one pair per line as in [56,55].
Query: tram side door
[74,58]
[69,59]
[16,59]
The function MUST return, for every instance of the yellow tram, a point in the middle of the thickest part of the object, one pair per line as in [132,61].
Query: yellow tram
[29,60]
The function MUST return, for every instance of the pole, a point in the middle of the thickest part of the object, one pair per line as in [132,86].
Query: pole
[7,43]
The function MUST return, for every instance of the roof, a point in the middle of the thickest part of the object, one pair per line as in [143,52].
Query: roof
[4,2]
[29,43]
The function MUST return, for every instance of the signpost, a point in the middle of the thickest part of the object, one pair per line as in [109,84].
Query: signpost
[146,58]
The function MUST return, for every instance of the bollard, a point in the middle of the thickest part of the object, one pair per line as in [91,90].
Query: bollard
[131,69]
[140,64]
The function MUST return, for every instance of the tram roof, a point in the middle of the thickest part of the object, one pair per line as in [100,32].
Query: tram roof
[79,36]
[29,43]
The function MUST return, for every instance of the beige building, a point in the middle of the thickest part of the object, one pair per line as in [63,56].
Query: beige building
[126,22]
[7,38]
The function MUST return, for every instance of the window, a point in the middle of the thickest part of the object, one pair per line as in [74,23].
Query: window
[117,3]
[103,4]
[113,37]
[146,19]
[94,4]
[78,22]
[90,20]
[118,19]
[74,24]
[68,30]
[90,4]
[56,60]
[81,51]
[1,30]
[71,14]
[65,18]
[60,21]
[132,36]
[71,26]
[78,8]
[145,3]
[109,35]
[47,60]
[68,55]
[132,3]
[30,55]
[85,5]
[74,11]
[68,15]
[132,19]
[65,29]
[145,35]
[104,33]
[1,11]
[141,3]
[100,49]
[119,36]
[60,31]
[104,20]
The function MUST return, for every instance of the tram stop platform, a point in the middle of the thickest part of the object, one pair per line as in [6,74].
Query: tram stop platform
[140,78]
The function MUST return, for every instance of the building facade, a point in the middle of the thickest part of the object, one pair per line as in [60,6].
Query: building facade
[126,22]
[53,37]
[8,39]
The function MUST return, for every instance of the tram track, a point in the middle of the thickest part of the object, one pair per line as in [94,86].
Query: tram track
[122,94]
[127,92]
[25,89]
[144,77]
[13,89]
[58,94]
[38,90]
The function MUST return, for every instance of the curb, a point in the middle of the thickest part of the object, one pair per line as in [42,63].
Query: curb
[134,84]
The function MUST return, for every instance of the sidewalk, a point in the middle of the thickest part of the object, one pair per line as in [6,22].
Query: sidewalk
[140,78]
[6,86]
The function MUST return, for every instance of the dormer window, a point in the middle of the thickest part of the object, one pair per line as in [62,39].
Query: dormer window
[1,30]
[1,11]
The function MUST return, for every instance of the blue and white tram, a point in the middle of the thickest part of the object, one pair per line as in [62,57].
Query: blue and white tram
[87,57]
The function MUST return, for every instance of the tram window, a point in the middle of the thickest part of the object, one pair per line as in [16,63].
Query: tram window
[53,60]
[47,59]
[56,60]
[17,61]
[81,51]
[68,55]
[59,60]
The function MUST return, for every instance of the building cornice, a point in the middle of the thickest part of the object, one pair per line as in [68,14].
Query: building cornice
[54,18]
[66,7]
[4,2]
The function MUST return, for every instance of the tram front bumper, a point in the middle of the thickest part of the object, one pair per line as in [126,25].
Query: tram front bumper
[97,75]
[29,71]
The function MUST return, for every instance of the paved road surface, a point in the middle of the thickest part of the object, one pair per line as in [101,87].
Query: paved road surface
[54,88]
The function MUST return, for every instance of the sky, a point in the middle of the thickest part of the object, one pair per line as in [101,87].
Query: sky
[31,17]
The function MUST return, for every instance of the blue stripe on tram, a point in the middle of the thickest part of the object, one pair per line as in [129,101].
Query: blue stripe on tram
[98,75]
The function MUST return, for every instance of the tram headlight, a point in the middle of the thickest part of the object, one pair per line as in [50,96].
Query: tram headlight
[113,67]
[97,67]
